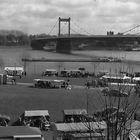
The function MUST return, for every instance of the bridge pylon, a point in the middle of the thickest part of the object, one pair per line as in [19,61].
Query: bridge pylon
[59,25]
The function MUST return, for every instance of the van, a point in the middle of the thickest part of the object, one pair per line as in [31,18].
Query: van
[45,83]
[50,72]
[14,71]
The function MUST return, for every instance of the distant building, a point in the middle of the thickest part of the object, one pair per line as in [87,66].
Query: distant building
[110,33]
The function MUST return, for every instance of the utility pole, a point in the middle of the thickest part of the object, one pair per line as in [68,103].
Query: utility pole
[87,97]
[87,102]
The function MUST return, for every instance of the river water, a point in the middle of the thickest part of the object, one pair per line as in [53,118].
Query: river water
[12,57]
[127,55]
[133,56]
[131,60]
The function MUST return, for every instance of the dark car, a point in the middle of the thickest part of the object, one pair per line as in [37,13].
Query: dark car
[114,92]
[74,115]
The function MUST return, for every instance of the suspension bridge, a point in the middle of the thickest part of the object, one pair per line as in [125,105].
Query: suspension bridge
[64,42]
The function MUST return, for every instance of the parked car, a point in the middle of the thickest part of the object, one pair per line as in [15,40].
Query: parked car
[46,83]
[74,115]
[14,71]
[50,72]
[114,92]
[71,73]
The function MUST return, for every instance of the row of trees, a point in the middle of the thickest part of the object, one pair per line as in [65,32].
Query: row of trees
[11,39]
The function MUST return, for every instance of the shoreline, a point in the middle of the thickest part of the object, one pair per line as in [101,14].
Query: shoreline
[131,62]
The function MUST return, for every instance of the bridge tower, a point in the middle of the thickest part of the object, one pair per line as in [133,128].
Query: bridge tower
[63,43]
[59,25]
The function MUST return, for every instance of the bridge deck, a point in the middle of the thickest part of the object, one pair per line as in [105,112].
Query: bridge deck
[73,60]
[88,37]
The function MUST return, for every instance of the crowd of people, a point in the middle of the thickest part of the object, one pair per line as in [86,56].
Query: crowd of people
[40,122]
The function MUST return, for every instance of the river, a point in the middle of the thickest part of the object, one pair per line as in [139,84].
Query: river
[127,55]
[13,56]
[131,60]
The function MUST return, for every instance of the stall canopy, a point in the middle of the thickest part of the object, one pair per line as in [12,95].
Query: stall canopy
[32,113]
[5,117]
[87,135]
[75,112]
[79,127]
[19,132]
[14,68]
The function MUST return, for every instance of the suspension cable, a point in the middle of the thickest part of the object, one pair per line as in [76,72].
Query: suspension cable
[53,27]
[131,29]
[82,29]
[71,29]
[74,31]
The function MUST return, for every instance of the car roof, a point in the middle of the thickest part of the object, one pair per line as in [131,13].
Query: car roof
[49,80]
[14,68]
[82,127]
[75,111]
[51,70]
[116,76]
[71,70]
[32,113]
[136,78]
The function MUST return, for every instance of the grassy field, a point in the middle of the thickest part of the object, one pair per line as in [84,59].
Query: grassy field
[15,99]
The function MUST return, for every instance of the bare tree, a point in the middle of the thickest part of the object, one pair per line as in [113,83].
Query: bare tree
[118,113]
[118,104]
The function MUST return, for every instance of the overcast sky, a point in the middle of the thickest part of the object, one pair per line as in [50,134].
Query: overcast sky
[92,16]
